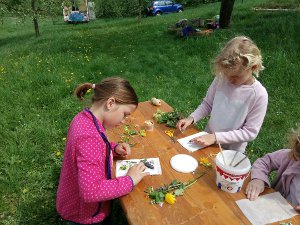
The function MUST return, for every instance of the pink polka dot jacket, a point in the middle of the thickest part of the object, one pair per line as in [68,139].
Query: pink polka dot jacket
[84,191]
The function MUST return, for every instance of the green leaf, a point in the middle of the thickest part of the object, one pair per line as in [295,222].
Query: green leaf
[178,192]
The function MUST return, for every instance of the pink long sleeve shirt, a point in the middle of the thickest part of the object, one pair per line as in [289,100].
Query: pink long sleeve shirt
[287,181]
[83,180]
[236,112]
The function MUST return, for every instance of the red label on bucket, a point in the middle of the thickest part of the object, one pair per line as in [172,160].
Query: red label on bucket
[231,176]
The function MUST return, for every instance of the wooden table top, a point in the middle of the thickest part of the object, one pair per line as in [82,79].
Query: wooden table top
[202,203]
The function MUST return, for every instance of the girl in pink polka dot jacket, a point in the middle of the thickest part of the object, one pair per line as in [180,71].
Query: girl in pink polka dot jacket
[86,185]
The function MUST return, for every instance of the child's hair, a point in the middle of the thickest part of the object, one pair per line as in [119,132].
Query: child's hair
[239,51]
[115,87]
[294,141]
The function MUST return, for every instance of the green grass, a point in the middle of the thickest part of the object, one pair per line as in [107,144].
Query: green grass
[38,76]
[279,4]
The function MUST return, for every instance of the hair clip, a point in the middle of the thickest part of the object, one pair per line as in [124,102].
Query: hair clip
[93,86]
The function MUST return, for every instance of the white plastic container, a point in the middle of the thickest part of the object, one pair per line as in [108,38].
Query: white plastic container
[229,178]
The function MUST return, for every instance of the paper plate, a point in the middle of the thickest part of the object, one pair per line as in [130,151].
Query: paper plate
[184,163]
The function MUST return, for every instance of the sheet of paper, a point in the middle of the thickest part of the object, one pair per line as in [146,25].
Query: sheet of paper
[266,209]
[122,166]
[185,142]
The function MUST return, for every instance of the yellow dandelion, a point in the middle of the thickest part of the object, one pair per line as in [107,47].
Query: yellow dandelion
[58,153]
[170,198]
[205,162]
[25,190]
[64,139]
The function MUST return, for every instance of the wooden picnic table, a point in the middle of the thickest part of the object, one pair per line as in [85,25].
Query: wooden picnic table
[202,203]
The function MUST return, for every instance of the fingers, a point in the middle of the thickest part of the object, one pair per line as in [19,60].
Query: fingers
[123,149]
[297,208]
[254,188]
[180,125]
[126,149]
[253,194]
[199,141]
[183,124]
[141,167]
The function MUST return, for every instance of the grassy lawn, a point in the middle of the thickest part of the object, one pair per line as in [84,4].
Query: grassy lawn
[38,76]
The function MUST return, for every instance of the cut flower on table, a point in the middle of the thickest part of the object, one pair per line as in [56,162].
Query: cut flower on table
[168,193]
[205,162]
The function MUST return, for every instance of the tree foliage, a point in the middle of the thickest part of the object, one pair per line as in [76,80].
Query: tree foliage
[32,9]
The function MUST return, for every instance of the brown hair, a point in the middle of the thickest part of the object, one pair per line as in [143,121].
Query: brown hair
[239,51]
[294,141]
[115,87]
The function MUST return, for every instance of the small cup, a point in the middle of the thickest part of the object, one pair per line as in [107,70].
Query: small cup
[149,125]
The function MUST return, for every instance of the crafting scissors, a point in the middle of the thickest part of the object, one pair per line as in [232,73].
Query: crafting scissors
[170,133]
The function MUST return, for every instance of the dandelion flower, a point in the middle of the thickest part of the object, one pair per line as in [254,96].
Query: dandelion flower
[58,153]
[205,162]
[170,198]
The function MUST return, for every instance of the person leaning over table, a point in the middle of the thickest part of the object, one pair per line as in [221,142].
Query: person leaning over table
[287,164]
[235,101]
[86,186]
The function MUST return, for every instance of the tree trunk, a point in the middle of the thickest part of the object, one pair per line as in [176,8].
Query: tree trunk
[225,13]
[35,20]
[36,27]
[140,11]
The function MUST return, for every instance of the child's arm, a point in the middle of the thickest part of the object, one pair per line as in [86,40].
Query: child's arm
[266,164]
[92,172]
[260,171]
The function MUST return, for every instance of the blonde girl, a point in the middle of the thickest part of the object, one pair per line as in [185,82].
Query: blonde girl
[235,101]
[287,164]
[86,185]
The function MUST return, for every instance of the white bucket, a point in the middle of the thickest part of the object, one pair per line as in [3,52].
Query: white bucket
[229,178]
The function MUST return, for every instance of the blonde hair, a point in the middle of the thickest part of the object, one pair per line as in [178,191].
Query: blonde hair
[239,51]
[115,87]
[294,142]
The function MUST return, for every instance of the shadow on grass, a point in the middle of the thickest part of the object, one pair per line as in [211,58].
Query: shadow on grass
[39,211]
[17,39]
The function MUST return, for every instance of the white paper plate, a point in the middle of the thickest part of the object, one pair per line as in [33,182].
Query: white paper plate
[184,163]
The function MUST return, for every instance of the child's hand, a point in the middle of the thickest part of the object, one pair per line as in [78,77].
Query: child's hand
[184,123]
[123,149]
[254,188]
[297,208]
[136,172]
[204,140]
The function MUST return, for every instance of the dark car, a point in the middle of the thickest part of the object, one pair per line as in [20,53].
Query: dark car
[157,8]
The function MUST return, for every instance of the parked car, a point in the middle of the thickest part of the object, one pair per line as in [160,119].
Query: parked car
[157,8]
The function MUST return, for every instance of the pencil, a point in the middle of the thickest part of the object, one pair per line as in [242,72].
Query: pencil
[221,150]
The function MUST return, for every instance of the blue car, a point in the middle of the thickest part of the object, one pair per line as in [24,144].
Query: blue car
[157,8]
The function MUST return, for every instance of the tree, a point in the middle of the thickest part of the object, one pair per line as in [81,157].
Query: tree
[225,13]
[31,8]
